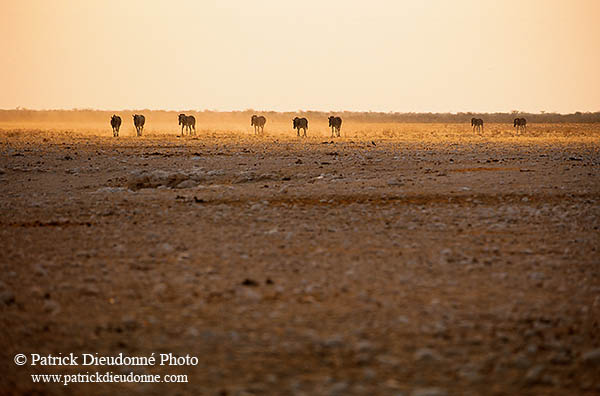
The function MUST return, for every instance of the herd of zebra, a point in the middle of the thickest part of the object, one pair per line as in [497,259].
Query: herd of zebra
[519,123]
[188,123]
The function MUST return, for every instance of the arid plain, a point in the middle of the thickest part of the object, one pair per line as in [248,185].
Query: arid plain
[399,259]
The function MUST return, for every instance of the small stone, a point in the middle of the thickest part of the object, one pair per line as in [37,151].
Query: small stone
[592,357]
[333,342]
[51,307]
[338,388]
[89,290]
[534,375]
[40,271]
[167,248]
[160,288]
[388,360]
[364,346]
[37,291]
[7,297]
[521,361]
[537,276]
[427,355]
[187,184]
[470,373]
[369,373]
[250,294]
[129,322]
[429,392]
[561,358]
[393,384]
[192,332]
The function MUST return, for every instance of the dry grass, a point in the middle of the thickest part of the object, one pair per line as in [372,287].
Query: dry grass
[318,129]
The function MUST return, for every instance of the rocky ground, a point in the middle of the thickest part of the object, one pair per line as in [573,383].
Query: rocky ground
[405,262]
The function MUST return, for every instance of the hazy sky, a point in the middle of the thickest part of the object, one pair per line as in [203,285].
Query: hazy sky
[417,55]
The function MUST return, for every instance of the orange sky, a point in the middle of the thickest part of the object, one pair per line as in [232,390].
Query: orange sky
[418,55]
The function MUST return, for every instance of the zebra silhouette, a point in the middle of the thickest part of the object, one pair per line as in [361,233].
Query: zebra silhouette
[187,122]
[336,124]
[258,122]
[301,123]
[520,123]
[477,123]
[115,123]
[139,121]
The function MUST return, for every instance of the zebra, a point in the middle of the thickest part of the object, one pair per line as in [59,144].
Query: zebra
[300,123]
[115,122]
[336,124]
[258,122]
[477,123]
[187,122]
[520,123]
[139,121]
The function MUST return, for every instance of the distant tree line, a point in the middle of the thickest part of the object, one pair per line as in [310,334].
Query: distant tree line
[87,115]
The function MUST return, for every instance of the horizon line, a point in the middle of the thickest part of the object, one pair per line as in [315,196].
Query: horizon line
[19,108]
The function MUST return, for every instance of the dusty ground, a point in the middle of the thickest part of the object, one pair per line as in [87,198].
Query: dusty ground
[397,260]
